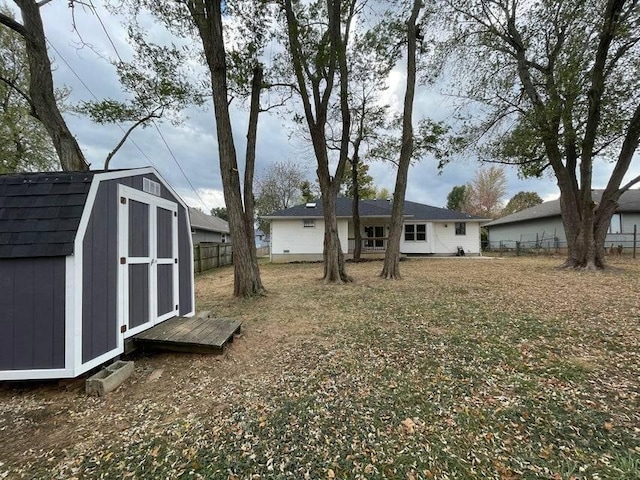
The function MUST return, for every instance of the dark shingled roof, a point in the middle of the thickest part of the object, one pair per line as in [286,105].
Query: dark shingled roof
[40,212]
[629,201]
[374,208]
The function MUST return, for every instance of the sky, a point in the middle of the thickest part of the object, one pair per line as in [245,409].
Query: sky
[186,155]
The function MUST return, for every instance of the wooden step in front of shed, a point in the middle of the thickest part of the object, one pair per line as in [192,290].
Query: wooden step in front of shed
[197,334]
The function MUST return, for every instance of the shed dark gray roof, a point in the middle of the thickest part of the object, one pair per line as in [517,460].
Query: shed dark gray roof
[202,221]
[40,212]
[629,201]
[374,208]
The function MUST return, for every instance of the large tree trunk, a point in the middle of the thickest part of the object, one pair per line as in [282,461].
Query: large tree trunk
[41,91]
[355,204]
[334,265]
[316,116]
[207,16]
[391,267]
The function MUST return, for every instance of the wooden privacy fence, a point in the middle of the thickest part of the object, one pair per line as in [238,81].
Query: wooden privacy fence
[211,255]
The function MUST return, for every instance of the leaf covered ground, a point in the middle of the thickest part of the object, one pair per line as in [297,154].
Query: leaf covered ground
[467,368]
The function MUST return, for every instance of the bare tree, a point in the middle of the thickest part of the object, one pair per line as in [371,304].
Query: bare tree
[483,196]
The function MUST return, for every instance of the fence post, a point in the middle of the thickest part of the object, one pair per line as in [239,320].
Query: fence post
[635,236]
[517,249]
[199,258]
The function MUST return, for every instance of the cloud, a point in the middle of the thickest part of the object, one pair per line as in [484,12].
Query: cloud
[195,171]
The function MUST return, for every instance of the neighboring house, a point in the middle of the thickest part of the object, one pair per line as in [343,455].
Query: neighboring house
[87,259]
[262,239]
[207,228]
[297,233]
[541,226]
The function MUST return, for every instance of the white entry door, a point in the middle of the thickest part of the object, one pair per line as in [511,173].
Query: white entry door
[148,255]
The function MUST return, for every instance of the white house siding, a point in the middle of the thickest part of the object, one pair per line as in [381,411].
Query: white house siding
[418,246]
[446,242]
[292,241]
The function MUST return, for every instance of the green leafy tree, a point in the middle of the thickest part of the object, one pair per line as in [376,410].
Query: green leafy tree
[25,144]
[560,84]
[220,212]
[40,94]
[456,198]
[521,201]
[366,188]
[308,191]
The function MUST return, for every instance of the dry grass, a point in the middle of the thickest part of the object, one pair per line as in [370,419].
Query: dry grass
[468,368]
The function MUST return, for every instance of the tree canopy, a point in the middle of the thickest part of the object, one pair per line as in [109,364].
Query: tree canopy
[25,144]
[556,86]
[521,201]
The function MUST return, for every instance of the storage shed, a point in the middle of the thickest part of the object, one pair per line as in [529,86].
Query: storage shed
[87,259]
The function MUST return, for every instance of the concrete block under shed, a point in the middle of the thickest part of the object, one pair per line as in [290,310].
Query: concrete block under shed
[109,378]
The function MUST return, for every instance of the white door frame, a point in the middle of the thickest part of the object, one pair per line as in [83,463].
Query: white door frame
[128,193]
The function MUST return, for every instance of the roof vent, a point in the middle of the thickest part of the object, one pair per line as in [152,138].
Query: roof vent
[310,205]
[151,187]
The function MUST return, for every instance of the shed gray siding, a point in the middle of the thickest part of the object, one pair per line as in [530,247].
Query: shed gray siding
[100,267]
[33,313]
[100,275]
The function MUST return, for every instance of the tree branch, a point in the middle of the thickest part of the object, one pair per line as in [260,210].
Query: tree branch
[9,22]
[148,117]
[23,94]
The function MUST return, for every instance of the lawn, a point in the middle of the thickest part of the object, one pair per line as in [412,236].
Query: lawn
[467,368]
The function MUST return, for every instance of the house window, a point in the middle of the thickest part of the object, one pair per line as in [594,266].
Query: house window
[309,223]
[415,233]
[616,224]
[409,233]
[224,238]
[461,228]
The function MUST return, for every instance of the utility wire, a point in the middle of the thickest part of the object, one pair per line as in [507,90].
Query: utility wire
[120,126]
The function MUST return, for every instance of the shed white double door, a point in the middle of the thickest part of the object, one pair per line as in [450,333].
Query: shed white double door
[148,255]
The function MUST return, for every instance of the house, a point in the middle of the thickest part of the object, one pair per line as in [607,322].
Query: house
[87,259]
[297,233]
[207,228]
[262,239]
[541,226]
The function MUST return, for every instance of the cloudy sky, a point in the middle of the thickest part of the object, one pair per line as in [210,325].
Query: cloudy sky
[189,159]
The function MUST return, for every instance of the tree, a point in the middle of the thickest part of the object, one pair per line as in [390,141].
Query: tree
[308,191]
[521,201]
[565,75]
[276,189]
[391,267]
[366,188]
[40,94]
[220,212]
[24,143]
[456,198]
[317,54]
[483,195]
[156,85]
[206,15]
